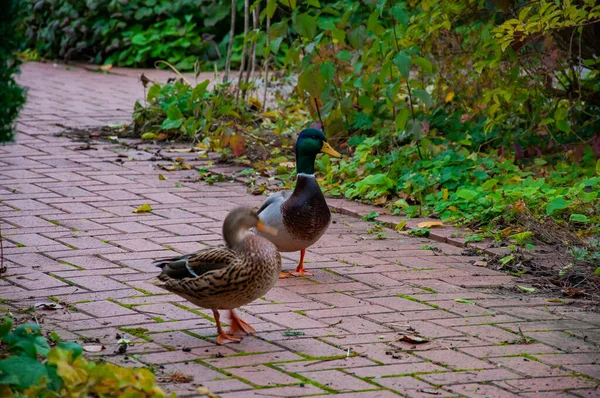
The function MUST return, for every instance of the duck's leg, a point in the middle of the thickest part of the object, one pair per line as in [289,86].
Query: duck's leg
[239,325]
[300,271]
[223,338]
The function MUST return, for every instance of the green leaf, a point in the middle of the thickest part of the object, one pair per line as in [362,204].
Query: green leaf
[465,193]
[174,113]
[563,125]
[314,3]
[489,184]
[275,44]
[271,8]
[357,37]
[328,71]
[557,204]
[399,14]
[5,327]
[25,371]
[200,89]
[71,346]
[526,289]
[169,124]
[401,119]
[423,95]
[582,218]
[598,167]
[139,39]
[344,55]
[464,301]
[306,25]
[423,63]
[289,3]
[597,271]
[312,82]
[402,61]
[153,92]
[326,24]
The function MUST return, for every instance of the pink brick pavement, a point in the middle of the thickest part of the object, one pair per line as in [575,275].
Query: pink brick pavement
[70,234]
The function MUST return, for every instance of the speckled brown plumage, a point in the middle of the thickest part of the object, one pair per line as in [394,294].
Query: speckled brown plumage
[225,278]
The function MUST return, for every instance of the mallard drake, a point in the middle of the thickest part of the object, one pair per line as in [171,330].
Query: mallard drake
[301,217]
[225,278]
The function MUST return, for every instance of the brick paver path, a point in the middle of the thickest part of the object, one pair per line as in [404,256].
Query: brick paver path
[70,234]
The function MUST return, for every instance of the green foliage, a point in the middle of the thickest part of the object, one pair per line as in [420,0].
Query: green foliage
[12,97]
[127,33]
[33,369]
[466,111]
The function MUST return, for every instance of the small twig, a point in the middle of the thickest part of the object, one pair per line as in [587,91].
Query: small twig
[230,45]
[319,113]
[3,268]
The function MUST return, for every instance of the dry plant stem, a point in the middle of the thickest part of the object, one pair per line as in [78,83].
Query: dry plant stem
[243,63]
[319,113]
[2,267]
[230,45]
[255,16]
[264,104]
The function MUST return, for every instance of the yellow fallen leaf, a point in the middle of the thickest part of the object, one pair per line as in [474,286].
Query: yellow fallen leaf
[106,68]
[186,166]
[201,145]
[179,160]
[291,165]
[450,96]
[445,193]
[145,208]
[381,200]
[180,150]
[400,226]
[148,136]
[430,224]
[161,177]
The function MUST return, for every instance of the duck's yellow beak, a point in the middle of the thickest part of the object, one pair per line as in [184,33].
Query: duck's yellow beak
[326,148]
[268,230]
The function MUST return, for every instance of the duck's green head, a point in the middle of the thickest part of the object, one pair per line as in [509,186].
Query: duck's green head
[310,143]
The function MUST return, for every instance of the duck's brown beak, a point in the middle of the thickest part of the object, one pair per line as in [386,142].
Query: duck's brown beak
[268,230]
[326,148]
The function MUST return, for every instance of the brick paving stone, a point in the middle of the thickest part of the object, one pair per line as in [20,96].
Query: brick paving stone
[101,309]
[248,360]
[570,359]
[292,391]
[397,369]
[263,376]
[412,387]
[455,360]
[547,384]
[338,380]
[481,391]
[312,348]
[506,350]
[344,363]
[528,367]
[469,376]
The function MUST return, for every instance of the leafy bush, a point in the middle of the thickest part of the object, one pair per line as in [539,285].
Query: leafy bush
[127,33]
[465,110]
[12,97]
[31,368]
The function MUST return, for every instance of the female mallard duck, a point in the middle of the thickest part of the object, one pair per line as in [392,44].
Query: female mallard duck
[301,217]
[225,278]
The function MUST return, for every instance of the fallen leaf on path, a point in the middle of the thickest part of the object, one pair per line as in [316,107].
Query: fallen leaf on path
[526,289]
[145,208]
[413,339]
[93,348]
[47,306]
[293,333]
[480,263]
[162,177]
[167,167]
[464,301]
[106,68]
[430,224]
[180,150]
[573,292]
